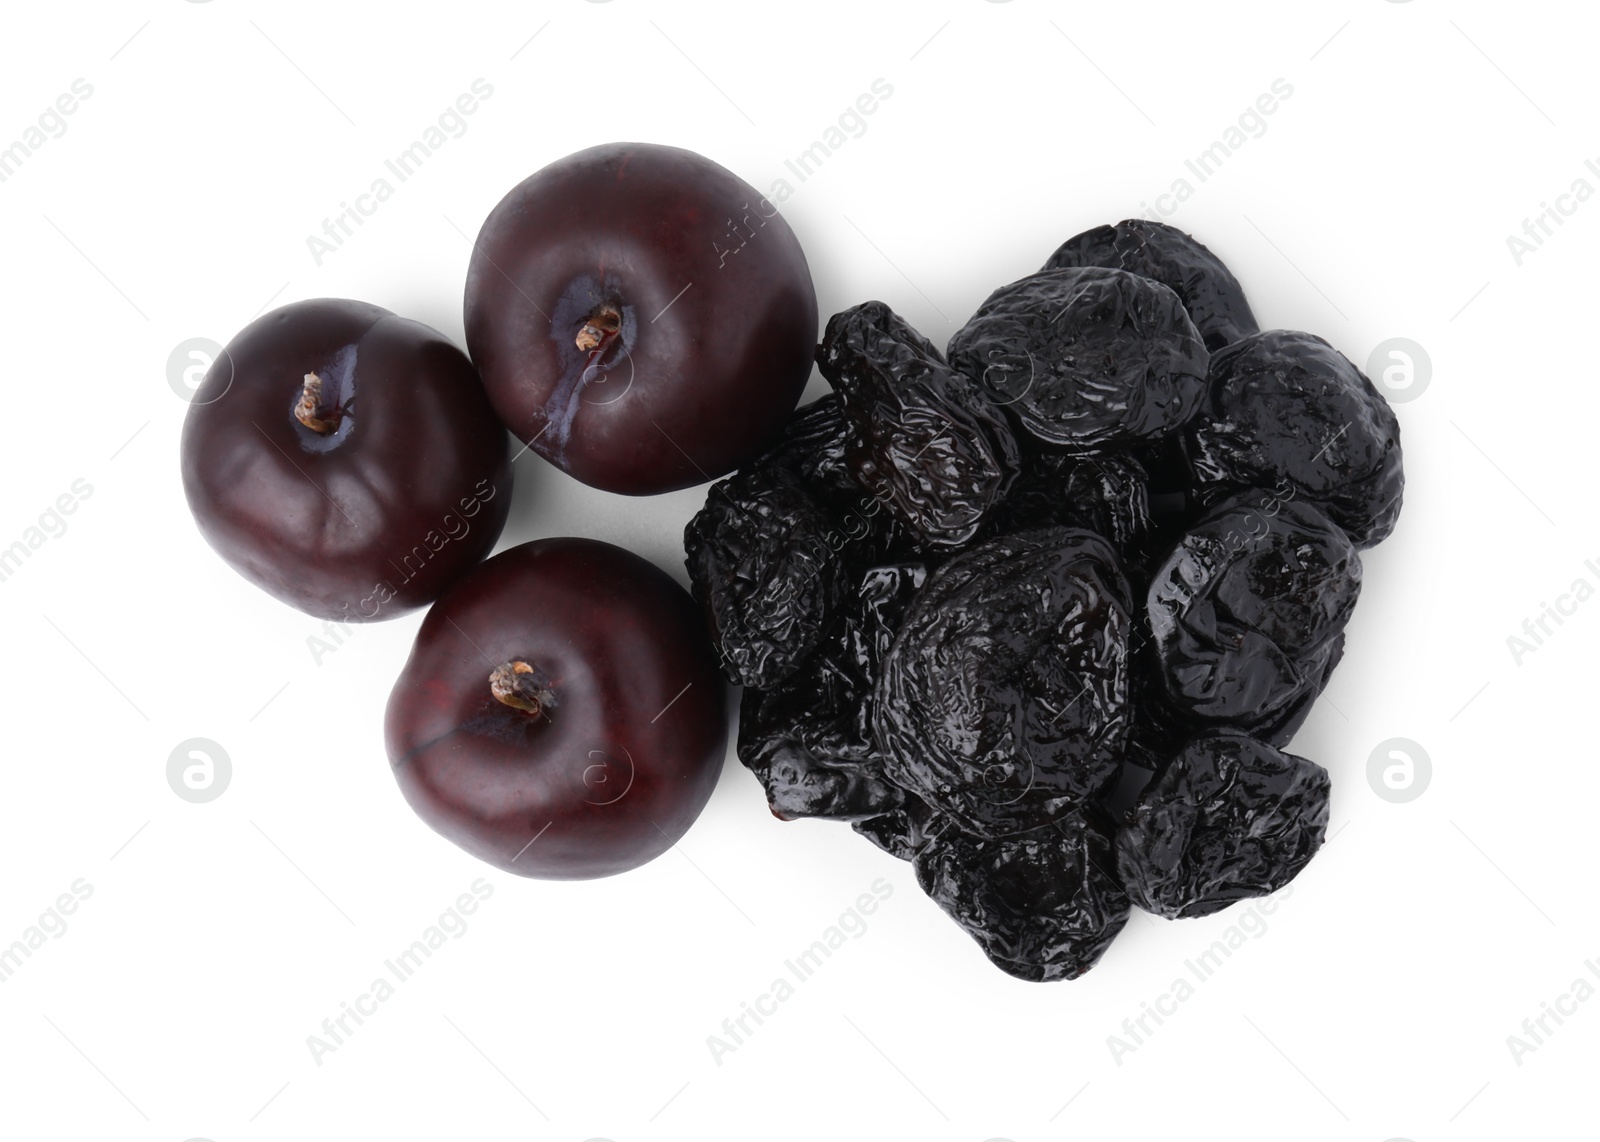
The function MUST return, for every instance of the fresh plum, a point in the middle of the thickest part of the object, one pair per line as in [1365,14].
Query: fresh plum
[643,317]
[345,460]
[561,714]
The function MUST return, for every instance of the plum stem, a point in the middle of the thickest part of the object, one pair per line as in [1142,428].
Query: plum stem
[310,411]
[598,329]
[520,686]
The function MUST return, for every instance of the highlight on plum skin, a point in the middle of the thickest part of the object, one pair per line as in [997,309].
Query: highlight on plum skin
[644,319]
[345,460]
[561,715]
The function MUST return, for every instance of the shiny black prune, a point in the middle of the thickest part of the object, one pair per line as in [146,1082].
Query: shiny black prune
[1135,773]
[983,697]
[1246,613]
[812,447]
[925,441]
[884,595]
[1279,731]
[1004,699]
[763,564]
[811,764]
[1227,819]
[904,831]
[1088,359]
[809,741]
[1209,291]
[1166,462]
[1162,727]
[1107,495]
[814,450]
[1043,905]
[1288,408]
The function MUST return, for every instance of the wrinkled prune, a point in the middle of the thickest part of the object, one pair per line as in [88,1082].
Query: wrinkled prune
[1209,291]
[1089,359]
[904,831]
[1280,731]
[1288,408]
[924,440]
[1162,726]
[811,765]
[810,741]
[812,448]
[1247,611]
[1058,603]
[1107,495]
[1004,699]
[1228,818]
[762,564]
[1136,773]
[1043,905]
[884,596]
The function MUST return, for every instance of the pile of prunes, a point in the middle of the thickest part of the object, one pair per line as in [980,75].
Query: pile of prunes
[1040,613]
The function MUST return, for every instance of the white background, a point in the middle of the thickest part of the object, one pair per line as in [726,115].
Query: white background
[1376,204]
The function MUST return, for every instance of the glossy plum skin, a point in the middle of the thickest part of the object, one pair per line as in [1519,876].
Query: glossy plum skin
[715,315]
[372,519]
[630,741]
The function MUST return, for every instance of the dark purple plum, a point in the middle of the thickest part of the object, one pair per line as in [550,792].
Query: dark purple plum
[643,318]
[561,714]
[345,460]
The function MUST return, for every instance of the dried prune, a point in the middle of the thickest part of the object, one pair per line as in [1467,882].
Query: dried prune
[925,441]
[1163,253]
[810,741]
[1094,569]
[1107,495]
[1246,613]
[904,831]
[1089,359]
[1287,407]
[812,448]
[810,764]
[762,563]
[1280,731]
[884,596]
[1227,819]
[1004,699]
[1043,905]
[1136,771]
